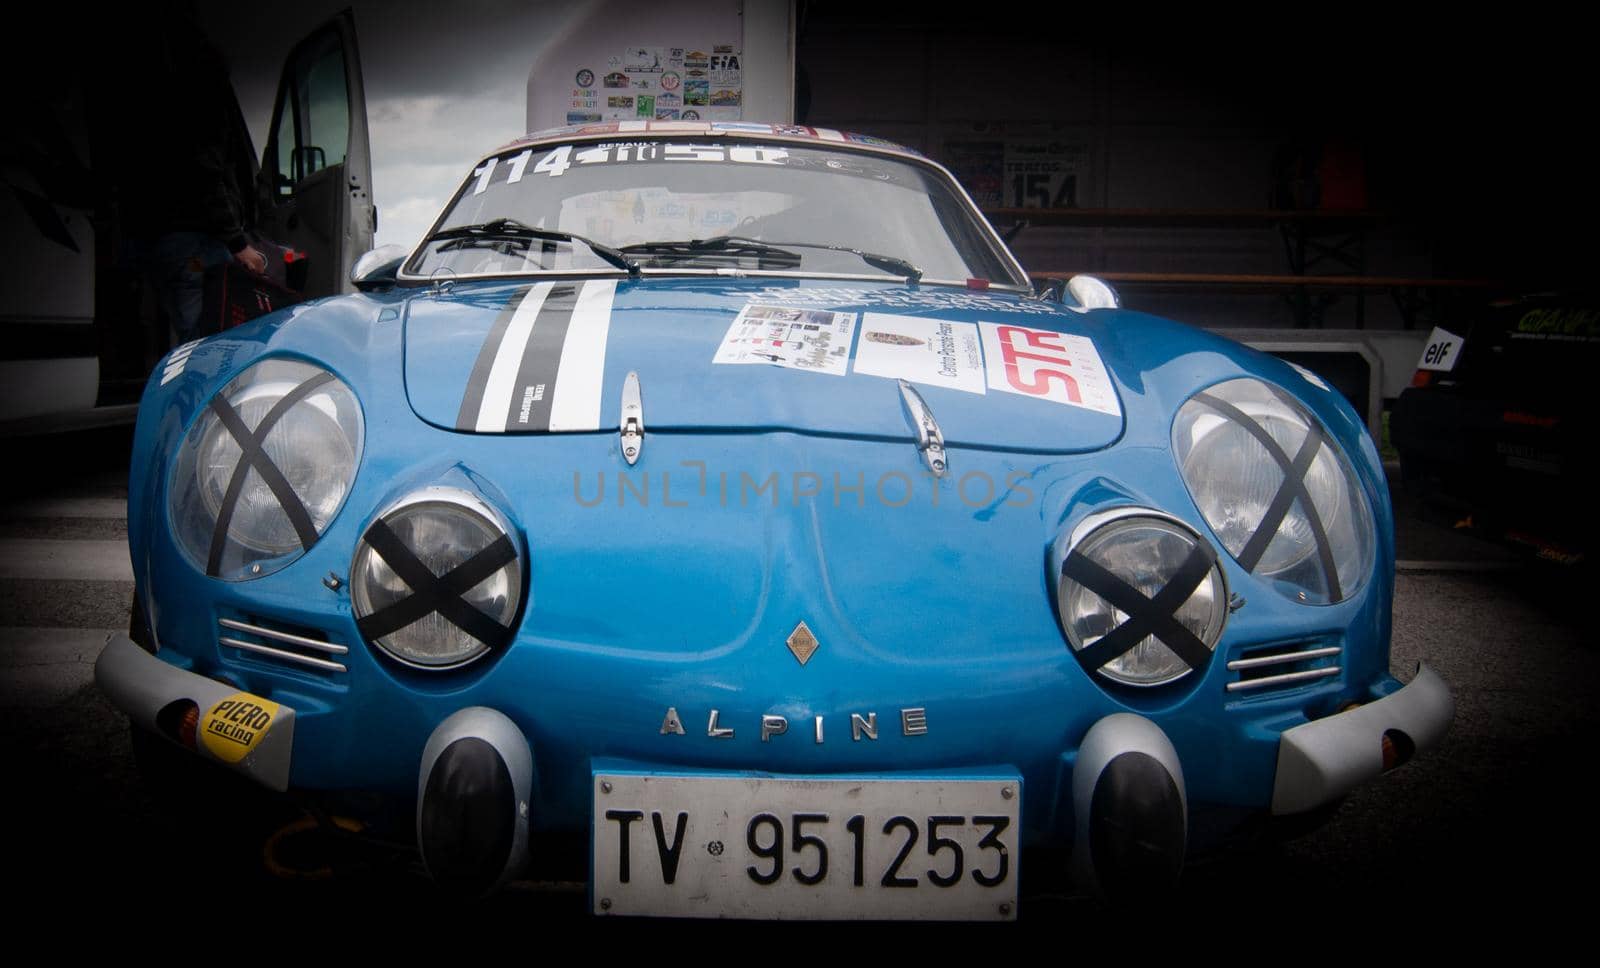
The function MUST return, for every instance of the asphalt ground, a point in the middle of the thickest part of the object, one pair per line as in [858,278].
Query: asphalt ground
[1486,836]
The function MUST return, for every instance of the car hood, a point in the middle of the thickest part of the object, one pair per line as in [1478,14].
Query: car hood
[539,357]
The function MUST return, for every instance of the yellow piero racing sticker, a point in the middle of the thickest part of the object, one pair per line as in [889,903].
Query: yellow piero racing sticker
[236,725]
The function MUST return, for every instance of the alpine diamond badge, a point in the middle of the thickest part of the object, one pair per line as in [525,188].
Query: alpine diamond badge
[802,643]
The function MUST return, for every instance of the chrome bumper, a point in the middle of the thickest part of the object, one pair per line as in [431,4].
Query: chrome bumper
[243,732]
[1322,761]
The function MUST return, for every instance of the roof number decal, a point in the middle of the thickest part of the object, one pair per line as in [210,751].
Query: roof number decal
[519,163]
[484,172]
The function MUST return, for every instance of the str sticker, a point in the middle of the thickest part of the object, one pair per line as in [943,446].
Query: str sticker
[235,726]
[1047,365]
[800,339]
[933,352]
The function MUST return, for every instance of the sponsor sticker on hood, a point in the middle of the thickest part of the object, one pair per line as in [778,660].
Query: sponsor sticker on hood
[935,352]
[1047,365]
[801,339]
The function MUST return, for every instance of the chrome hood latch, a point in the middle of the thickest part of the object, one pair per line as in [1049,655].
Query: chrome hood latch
[930,441]
[632,428]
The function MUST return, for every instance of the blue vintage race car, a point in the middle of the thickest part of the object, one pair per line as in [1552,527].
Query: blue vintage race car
[724,496]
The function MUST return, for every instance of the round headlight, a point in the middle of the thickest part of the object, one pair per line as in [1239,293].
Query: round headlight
[1276,489]
[1140,597]
[437,580]
[265,468]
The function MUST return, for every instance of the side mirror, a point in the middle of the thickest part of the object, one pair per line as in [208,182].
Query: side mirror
[378,268]
[1092,293]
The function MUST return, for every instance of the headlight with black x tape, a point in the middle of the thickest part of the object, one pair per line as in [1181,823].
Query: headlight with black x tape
[1276,489]
[1140,597]
[437,580]
[265,468]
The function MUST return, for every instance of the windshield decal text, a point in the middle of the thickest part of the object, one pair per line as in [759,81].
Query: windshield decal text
[561,159]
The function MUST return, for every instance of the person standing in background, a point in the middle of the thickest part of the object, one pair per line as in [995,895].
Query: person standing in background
[187,196]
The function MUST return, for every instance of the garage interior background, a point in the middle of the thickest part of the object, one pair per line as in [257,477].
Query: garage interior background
[1457,150]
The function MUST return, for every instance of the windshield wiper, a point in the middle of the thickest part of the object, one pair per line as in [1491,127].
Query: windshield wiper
[888,263]
[510,228]
[744,245]
[721,245]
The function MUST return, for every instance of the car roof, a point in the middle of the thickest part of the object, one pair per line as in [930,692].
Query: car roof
[748,130]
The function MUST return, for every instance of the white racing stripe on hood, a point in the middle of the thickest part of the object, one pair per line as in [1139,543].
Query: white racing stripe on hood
[583,360]
[507,360]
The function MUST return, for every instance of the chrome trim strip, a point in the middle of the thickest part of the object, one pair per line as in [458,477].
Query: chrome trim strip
[1097,519]
[1283,658]
[332,648]
[306,660]
[689,271]
[1286,679]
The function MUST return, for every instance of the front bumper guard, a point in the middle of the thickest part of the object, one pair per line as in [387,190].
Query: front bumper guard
[1321,761]
[1318,762]
[240,731]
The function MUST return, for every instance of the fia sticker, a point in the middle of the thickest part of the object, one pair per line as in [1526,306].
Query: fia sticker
[1441,352]
[234,727]
[1047,365]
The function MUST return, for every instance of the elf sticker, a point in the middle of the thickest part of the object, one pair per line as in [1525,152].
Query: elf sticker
[234,727]
[1441,352]
[1047,365]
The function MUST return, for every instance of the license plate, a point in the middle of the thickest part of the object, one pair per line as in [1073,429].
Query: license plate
[763,847]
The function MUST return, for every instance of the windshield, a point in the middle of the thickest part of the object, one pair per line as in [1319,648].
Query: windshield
[791,208]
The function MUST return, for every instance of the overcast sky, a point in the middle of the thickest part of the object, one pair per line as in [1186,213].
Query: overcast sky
[445,83]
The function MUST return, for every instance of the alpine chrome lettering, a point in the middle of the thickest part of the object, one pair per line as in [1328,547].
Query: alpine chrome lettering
[863,725]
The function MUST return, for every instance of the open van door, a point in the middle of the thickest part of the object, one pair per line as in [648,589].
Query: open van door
[315,185]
